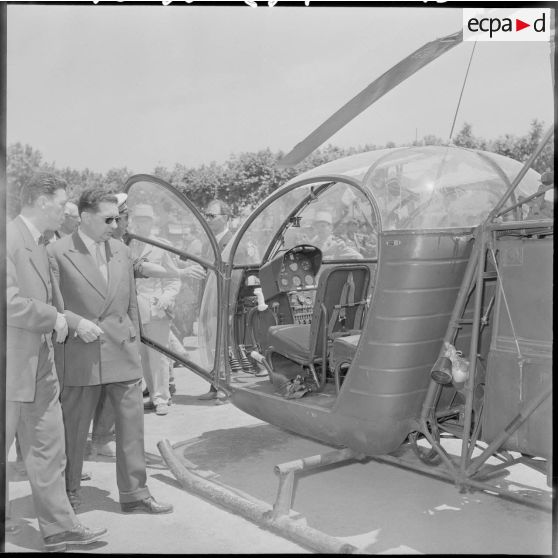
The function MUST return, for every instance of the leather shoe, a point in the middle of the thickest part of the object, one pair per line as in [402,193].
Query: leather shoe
[74,499]
[161,409]
[208,396]
[85,476]
[147,505]
[80,535]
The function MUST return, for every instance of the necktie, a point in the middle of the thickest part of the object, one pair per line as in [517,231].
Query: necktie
[101,264]
[42,241]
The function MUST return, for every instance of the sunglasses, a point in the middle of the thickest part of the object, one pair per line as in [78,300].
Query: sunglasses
[109,220]
[214,215]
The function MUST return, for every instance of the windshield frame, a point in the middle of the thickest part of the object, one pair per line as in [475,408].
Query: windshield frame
[216,269]
[323,182]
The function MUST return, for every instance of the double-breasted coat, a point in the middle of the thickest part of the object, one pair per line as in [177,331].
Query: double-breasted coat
[112,360]
[114,356]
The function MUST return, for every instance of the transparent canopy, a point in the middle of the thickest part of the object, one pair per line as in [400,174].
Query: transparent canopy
[431,187]
[441,187]
[421,187]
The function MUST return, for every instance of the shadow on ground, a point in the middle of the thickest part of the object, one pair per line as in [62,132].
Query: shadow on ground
[30,538]
[191,400]
[377,506]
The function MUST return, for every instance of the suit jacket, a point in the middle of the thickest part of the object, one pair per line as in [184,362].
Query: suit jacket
[114,356]
[32,304]
[207,252]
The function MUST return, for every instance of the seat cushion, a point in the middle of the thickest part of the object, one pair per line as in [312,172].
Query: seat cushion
[292,341]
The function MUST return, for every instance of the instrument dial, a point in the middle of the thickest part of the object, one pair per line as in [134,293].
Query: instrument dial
[296,281]
[309,279]
[293,266]
[305,264]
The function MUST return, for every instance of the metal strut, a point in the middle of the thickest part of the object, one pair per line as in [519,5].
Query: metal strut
[286,472]
[463,473]
[473,283]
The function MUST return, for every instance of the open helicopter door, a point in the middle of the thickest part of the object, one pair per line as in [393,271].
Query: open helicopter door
[175,256]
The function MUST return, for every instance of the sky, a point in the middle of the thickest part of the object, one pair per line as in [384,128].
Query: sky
[99,87]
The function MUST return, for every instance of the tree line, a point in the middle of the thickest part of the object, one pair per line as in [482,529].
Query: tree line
[245,179]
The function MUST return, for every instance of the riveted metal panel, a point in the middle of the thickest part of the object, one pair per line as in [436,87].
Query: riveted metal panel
[416,286]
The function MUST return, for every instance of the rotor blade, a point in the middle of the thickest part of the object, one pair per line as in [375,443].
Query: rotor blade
[379,87]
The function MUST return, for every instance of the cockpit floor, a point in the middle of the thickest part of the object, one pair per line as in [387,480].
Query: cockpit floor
[324,399]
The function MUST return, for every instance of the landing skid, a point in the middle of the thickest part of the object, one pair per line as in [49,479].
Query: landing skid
[278,518]
[283,520]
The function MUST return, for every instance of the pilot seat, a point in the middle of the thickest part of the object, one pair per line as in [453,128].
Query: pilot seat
[339,309]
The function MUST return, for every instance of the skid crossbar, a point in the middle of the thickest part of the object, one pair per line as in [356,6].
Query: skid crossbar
[286,472]
[288,524]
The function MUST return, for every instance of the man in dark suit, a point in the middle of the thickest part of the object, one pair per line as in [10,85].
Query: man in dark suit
[34,310]
[95,275]
[218,215]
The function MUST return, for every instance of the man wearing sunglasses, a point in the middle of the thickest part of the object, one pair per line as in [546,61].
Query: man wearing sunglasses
[95,275]
[218,215]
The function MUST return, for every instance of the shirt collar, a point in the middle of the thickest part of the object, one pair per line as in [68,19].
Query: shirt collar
[35,232]
[88,241]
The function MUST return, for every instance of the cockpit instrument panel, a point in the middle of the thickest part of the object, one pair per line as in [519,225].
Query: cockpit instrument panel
[293,270]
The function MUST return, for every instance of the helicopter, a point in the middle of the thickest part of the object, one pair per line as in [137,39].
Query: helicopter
[388,299]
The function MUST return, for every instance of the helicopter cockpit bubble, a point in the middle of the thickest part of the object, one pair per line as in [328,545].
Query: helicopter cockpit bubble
[440,187]
[410,188]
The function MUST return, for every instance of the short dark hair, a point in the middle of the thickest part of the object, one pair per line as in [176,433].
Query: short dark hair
[92,197]
[224,207]
[41,184]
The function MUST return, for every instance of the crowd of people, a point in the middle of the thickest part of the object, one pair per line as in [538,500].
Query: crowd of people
[76,294]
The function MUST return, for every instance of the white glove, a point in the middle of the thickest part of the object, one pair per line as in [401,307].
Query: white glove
[61,328]
[88,331]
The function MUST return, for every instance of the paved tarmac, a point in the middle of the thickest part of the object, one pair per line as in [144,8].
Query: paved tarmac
[379,508]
